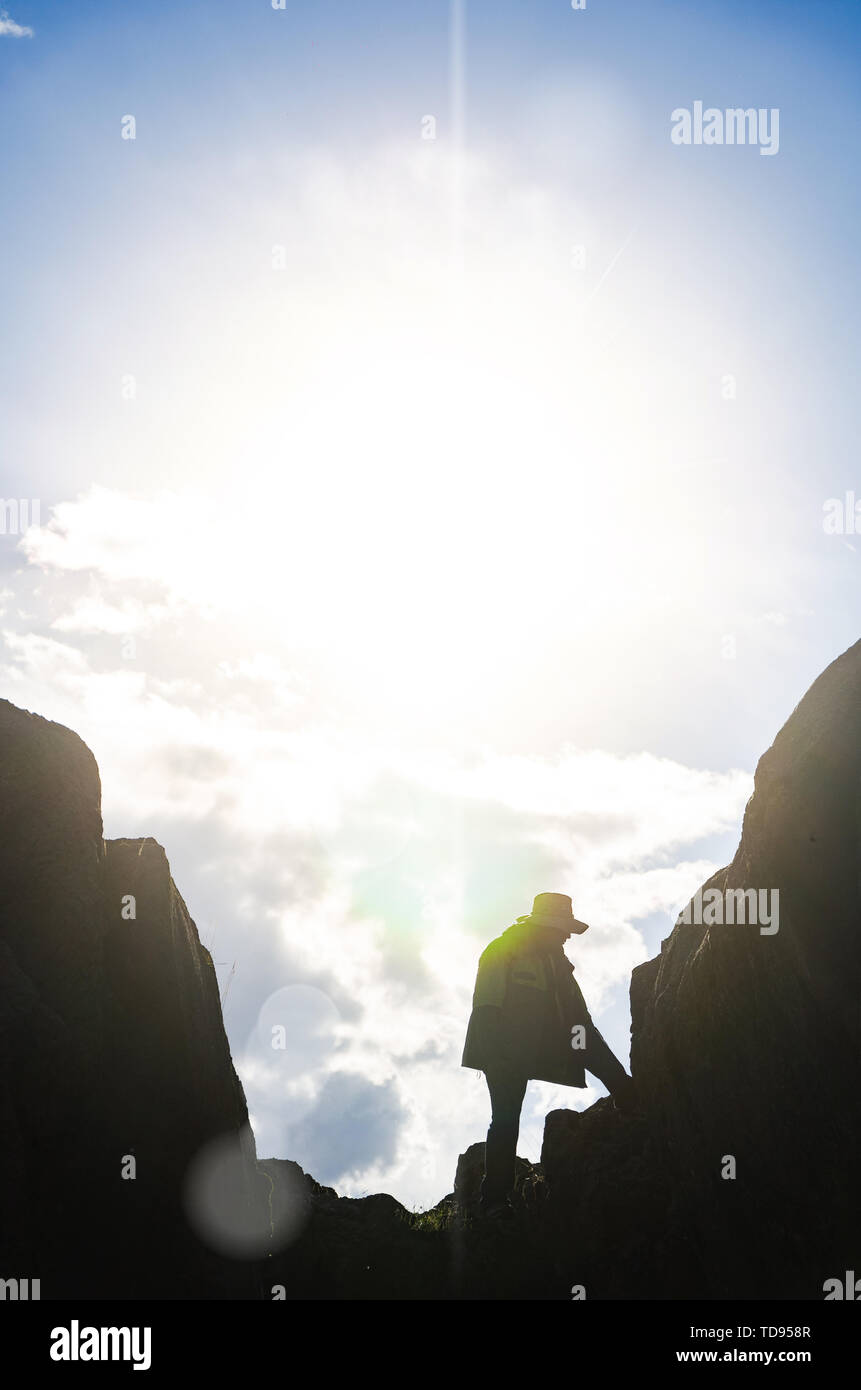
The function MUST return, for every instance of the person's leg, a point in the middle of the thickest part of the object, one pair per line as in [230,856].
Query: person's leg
[506,1098]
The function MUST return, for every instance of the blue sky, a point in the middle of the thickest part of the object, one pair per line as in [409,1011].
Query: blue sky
[424,523]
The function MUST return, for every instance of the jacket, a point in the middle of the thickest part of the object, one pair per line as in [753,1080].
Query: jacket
[525,1004]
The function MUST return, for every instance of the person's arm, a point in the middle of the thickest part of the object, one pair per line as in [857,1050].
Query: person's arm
[601,1061]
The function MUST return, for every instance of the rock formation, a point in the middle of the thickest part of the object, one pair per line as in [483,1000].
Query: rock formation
[746,1051]
[112,1047]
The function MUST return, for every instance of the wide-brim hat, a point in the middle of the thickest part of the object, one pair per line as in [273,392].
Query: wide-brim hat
[556,910]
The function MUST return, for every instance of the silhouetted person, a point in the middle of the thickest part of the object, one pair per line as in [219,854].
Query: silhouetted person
[529,1021]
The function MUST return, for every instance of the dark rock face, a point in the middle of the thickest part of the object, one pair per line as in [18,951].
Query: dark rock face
[111,1042]
[746,1046]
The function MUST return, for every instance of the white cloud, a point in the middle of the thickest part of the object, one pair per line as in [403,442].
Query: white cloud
[119,537]
[10,29]
[92,614]
[45,662]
